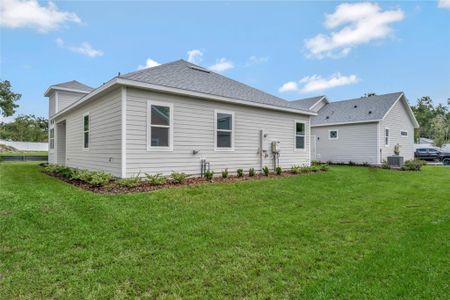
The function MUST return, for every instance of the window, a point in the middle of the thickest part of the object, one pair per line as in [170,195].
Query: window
[403,133]
[224,124]
[299,135]
[86,126]
[52,138]
[160,129]
[422,150]
[386,136]
[432,150]
[333,134]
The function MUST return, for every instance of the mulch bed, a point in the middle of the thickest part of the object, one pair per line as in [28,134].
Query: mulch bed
[114,188]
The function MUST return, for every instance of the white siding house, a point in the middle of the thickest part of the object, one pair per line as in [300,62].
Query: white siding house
[362,130]
[170,118]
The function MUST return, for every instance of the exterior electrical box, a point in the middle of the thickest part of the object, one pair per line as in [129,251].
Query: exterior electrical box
[275,147]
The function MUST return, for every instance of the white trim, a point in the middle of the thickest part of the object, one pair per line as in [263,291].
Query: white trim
[177,91]
[57,88]
[55,149]
[233,128]
[84,131]
[149,125]
[378,143]
[388,136]
[310,141]
[408,109]
[320,100]
[404,136]
[295,136]
[51,150]
[337,134]
[124,132]
[346,123]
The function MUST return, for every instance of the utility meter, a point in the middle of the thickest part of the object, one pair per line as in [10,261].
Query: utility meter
[275,147]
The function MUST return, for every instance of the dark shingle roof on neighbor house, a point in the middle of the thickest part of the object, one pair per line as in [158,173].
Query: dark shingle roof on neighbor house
[307,102]
[368,109]
[183,75]
[74,85]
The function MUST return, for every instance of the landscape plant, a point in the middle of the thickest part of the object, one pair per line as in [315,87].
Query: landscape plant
[178,177]
[251,172]
[240,172]
[225,173]
[265,170]
[156,179]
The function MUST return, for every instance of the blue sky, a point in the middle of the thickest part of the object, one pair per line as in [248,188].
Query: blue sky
[290,49]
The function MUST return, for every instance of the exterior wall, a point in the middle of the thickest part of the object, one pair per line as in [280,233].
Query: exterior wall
[52,104]
[396,120]
[194,130]
[104,151]
[60,143]
[67,98]
[356,142]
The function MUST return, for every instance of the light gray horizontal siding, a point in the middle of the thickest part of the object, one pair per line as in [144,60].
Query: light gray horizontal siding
[194,130]
[52,104]
[357,143]
[105,135]
[396,120]
[67,98]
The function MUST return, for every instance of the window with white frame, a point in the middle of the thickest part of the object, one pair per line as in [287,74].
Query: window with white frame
[386,136]
[52,138]
[160,128]
[224,130]
[403,133]
[299,135]
[333,134]
[86,127]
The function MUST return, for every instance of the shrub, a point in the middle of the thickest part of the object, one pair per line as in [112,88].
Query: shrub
[305,170]
[314,169]
[156,179]
[209,174]
[385,165]
[179,177]
[351,163]
[43,164]
[251,172]
[98,178]
[265,170]
[278,170]
[324,167]
[129,182]
[412,165]
[295,169]
[315,163]
[240,172]
[64,171]
[225,173]
[365,164]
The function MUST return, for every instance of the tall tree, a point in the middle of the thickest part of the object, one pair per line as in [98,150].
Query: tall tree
[8,99]
[27,128]
[440,130]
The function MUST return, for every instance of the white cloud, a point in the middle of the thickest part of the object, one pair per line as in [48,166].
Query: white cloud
[85,48]
[222,65]
[149,63]
[362,23]
[444,4]
[195,56]
[30,14]
[255,60]
[316,83]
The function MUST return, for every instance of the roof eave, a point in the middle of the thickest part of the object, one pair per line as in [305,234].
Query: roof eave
[346,123]
[57,88]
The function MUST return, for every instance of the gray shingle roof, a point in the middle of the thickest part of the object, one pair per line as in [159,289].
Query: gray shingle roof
[187,76]
[356,110]
[307,102]
[74,85]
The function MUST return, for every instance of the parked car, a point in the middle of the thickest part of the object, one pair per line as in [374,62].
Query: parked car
[445,158]
[427,154]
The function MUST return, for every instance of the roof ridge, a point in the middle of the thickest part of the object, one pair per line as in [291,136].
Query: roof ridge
[367,97]
[153,68]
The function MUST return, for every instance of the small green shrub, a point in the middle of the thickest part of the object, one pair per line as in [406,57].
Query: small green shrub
[156,179]
[64,171]
[365,164]
[240,172]
[385,165]
[412,165]
[209,174]
[265,170]
[305,170]
[295,169]
[324,167]
[98,178]
[351,163]
[278,170]
[225,173]
[314,169]
[130,182]
[315,163]
[179,177]
[251,172]
[43,164]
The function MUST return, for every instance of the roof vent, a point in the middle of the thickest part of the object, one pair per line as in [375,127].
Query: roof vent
[327,117]
[370,112]
[355,106]
[199,69]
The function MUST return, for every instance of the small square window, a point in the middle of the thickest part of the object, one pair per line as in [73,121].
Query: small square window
[404,133]
[333,135]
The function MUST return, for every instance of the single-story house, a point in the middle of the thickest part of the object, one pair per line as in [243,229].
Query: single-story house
[361,130]
[174,117]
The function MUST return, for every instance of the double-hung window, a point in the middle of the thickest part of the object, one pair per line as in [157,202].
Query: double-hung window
[160,120]
[86,128]
[224,126]
[52,138]
[299,135]
[386,137]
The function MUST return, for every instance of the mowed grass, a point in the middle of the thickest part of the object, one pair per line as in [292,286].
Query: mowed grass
[24,153]
[350,233]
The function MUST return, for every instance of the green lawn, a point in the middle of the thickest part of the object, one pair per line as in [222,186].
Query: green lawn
[350,233]
[24,153]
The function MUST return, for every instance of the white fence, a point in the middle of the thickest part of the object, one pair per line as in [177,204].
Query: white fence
[26,146]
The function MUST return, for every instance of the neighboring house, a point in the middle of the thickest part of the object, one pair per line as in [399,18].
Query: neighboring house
[362,130]
[171,118]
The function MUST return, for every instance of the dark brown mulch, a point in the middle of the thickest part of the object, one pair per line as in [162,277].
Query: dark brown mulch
[115,188]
